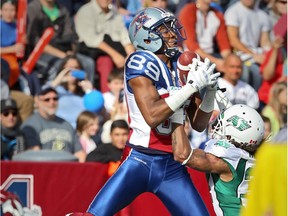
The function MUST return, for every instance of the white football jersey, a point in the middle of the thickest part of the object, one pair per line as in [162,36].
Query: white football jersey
[147,64]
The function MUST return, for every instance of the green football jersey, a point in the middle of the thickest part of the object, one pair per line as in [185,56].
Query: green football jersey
[228,197]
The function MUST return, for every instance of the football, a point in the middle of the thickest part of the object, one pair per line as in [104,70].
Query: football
[182,65]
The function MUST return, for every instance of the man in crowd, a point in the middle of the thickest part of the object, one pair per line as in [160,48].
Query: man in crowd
[45,130]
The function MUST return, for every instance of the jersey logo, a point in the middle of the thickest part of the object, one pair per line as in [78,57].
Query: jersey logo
[239,123]
[140,20]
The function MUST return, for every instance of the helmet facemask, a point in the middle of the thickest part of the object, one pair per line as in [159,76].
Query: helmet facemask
[164,31]
[217,129]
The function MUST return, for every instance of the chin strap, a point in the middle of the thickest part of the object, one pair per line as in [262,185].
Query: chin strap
[170,52]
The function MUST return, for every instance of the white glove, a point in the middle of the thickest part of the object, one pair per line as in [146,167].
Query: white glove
[201,74]
[178,116]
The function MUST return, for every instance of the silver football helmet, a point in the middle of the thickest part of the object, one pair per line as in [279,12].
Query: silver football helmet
[242,124]
[144,30]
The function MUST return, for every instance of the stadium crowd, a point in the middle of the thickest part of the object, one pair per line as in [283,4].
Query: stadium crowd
[67,96]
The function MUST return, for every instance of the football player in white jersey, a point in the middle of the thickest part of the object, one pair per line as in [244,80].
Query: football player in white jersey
[227,157]
[153,94]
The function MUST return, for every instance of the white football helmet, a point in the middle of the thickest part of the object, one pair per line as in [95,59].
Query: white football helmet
[144,30]
[242,124]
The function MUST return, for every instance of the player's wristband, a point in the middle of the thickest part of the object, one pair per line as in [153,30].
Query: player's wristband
[207,104]
[190,155]
[178,99]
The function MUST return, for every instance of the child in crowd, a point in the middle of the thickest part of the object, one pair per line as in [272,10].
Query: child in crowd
[10,49]
[87,126]
[13,52]
[115,85]
[268,128]
[114,102]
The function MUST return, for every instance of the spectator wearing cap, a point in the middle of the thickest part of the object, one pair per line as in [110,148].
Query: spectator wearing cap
[45,130]
[12,141]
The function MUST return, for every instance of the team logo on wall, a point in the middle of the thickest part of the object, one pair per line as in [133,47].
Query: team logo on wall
[17,196]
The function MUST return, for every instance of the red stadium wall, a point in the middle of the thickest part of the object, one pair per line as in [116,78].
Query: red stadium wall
[60,188]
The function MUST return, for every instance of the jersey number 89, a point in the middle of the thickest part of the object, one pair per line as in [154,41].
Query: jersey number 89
[139,63]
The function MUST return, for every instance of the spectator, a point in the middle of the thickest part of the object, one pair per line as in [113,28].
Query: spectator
[25,104]
[87,127]
[275,11]
[248,31]
[115,85]
[46,13]
[268,128]
[273,69]
[72,86]
[276,105]
[206,31]
[102,32]
[12,141]
[118,111]
[237,91]
[111,152]
[45,130]
[11,49]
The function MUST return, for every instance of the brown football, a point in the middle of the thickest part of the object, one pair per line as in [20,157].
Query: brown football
[182,64]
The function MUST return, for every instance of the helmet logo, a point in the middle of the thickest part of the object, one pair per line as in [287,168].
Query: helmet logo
[139,21]
[239,123]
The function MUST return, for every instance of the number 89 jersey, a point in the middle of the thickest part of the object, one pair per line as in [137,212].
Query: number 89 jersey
[147,64]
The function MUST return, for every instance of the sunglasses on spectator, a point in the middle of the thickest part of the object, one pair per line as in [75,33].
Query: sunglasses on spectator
[8,112]
[48,99]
